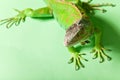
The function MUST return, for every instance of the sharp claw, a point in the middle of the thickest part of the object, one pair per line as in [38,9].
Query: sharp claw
[17,10]
[100,52]
[82,54]
[79,62]
[101,58]
[10,24]
[23,19]
[109,58]
[82,57]
[106,49]
[77,67]
[5,21]
[85,59]
[103,10]
[17,22]
[82,65]
[95,55]
[71,60]
[113,5]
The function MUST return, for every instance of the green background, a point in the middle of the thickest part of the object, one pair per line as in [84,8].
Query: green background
[34,50]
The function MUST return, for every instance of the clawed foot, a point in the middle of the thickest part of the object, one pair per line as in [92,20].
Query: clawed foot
[14,20]
[96,6]
[99,52]
[91,8]
[76,58]
[17,19]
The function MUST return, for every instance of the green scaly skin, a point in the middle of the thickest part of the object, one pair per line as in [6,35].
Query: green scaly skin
[81,11]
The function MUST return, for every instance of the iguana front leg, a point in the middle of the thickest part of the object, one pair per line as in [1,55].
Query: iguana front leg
[45,12]
[99,50]
[76,58]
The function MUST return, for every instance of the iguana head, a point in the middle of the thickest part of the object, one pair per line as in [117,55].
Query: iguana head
[78,32]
